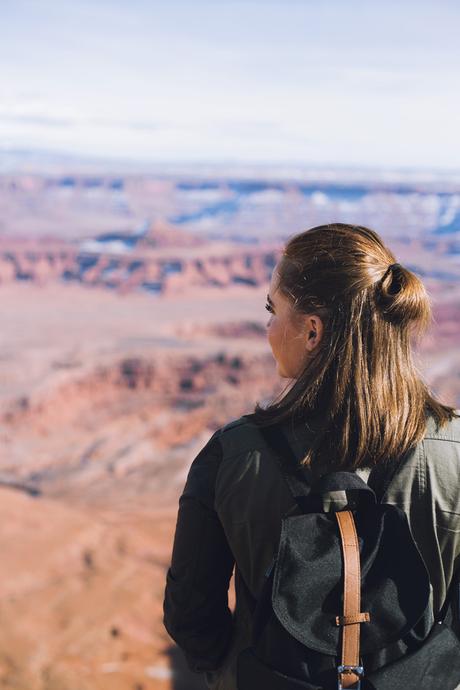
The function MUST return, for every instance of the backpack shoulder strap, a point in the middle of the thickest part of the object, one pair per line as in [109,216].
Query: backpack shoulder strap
[450,612]
[382,475]
[288,463]
[378,478]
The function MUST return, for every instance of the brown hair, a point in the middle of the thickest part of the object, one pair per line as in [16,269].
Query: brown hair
[362,384]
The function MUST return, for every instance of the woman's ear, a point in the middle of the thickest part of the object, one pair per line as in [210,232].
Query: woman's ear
[314,331]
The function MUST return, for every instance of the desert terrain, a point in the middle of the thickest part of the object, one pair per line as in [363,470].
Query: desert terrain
[133,326]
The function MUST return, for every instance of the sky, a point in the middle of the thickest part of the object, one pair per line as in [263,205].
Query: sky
[338,82]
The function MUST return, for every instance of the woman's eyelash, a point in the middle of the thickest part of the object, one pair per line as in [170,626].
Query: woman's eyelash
[268,308]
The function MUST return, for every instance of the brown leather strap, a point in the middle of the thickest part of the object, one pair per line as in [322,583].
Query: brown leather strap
[352,616]
[349,620]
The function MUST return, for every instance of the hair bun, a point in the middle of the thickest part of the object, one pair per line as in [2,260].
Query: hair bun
[391,268]
[403,298]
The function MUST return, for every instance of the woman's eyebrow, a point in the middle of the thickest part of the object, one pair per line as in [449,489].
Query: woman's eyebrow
[269,299]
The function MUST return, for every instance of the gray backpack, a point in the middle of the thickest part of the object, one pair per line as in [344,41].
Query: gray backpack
[346,601]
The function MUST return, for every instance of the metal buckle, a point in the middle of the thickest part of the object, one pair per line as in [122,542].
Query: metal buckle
[358,670]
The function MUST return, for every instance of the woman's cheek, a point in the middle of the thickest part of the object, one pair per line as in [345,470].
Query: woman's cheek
[271,332]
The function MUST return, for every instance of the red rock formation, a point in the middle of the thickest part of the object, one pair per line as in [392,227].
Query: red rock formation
[144,267]
[164,234]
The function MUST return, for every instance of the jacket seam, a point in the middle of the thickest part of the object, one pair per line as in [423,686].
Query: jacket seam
[421,470]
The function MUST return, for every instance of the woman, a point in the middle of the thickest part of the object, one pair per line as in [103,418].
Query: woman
[342,316]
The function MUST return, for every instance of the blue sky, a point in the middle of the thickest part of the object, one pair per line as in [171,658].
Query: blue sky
[334,82]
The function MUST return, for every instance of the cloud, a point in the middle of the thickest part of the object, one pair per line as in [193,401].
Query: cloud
[50,121]
[36,120]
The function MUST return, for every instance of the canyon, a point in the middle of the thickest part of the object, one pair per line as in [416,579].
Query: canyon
[133,326]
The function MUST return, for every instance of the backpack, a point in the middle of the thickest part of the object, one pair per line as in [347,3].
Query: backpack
[346,601]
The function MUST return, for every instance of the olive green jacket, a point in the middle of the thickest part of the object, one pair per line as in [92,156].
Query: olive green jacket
[251,497]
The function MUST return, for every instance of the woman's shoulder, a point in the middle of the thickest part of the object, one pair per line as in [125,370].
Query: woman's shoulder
[238,434]
[245,419]
[440,469]
[449,432]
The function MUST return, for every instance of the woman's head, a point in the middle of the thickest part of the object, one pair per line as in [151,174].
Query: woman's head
[339,275]
[341,329]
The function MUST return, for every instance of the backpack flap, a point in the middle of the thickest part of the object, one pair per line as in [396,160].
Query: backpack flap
[307,592]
